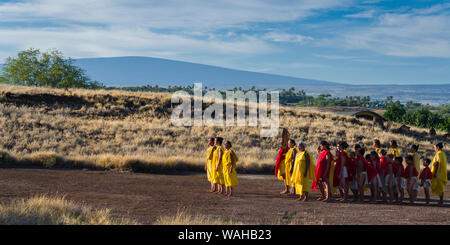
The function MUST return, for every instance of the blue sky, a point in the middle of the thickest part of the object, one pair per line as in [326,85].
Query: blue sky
[358,42]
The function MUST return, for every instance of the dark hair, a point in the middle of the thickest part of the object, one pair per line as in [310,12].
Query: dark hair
[399,159]
[440,145]
[374,153]
[219,139]
[390,156]
[409,158]
[427,160]
[343,144]
[228,142]
[383,152]
[324,143]
[377,142]
[362,151]
[292,141]
[394,143]
[367,157]
[415,147]
[211,139]
[357,146]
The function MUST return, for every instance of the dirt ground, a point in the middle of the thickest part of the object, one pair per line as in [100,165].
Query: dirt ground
[145,197]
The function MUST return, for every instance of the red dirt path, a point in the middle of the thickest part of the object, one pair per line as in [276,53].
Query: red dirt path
[145,197]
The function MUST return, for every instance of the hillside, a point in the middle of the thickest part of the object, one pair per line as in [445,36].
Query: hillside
[132,131]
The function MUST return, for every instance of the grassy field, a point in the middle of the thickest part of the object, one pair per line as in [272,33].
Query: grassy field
[46,210]
[132,131]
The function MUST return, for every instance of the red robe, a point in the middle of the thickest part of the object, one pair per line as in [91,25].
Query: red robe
[426,171]
[384,165]
[321,166]
[338,168]
[280,158]
[389,163]
[396,166]
[376,164]
[351,168]
[406,172]
[371,171]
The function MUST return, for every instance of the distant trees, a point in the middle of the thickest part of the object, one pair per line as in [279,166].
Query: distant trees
[419,116]
[51,69]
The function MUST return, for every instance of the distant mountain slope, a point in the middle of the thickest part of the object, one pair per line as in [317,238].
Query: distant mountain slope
[136,71]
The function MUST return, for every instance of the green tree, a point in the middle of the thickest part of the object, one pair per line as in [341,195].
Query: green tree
[395,112]
[51,69]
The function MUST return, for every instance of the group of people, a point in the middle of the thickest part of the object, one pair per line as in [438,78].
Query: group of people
[386,173]
[221,166]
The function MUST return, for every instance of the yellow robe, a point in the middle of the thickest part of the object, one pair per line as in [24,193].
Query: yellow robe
[218,175]
[416,159]
[209,160]
[229,159]
[438,183]
[282,170]
[301,182]
[395,152]
[288,164]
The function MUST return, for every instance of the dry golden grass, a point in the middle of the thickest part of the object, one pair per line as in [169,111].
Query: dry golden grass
[184,217]
[45,210]
[132,131]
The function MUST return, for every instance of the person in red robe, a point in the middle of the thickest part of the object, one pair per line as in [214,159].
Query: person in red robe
[376,163]
[384,162]
[322,171]
[279,164]
[341,176]
[353,185]
[371,167]
[410,175]
[425,179]
[365,174]
[400,180]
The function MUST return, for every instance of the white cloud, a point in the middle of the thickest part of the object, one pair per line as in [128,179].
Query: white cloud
[169,28]
[98,42]
[163,14]
[286,37]
[413,34]
[334,57]
[362,15]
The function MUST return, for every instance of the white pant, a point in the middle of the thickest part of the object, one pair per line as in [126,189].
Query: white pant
[345,172]
[364,174]
[379,182]
[416,183]
[427,183]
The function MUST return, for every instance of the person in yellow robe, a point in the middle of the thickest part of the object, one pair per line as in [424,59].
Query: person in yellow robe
[394,151]
[217,165]
[289,167]
[208,165]
[439,172]
[416,157]
[303,172]
[229,160]
[377,146]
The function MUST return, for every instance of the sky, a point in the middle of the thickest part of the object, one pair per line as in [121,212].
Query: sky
[346,41]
